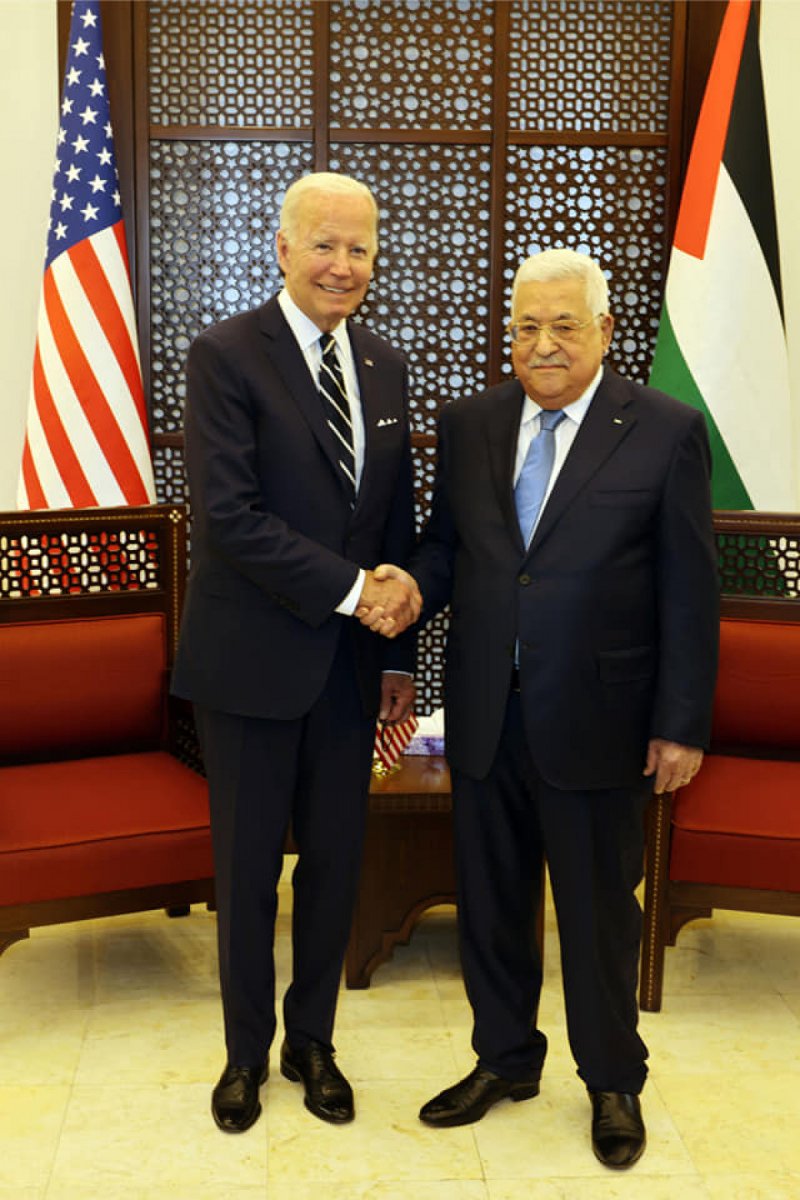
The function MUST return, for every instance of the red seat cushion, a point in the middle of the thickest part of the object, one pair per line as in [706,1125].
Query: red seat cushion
[738,824]
[101,824]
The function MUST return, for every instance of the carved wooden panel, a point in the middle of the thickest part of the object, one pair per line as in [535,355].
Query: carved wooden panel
[231,62]
[607,201]
[411,64]
[431,643]
[169,470]
[73,559]
[760,563]
[430,294]
[214,216]
[590,65]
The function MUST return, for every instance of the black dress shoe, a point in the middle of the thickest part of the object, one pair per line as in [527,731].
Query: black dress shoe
[234,1102]
[328,1094]
[618,1136]
[471,1098]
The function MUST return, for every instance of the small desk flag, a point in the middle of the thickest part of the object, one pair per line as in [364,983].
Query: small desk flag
[390,742]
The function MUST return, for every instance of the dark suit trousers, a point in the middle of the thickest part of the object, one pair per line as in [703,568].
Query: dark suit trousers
[263,774]
[593,843]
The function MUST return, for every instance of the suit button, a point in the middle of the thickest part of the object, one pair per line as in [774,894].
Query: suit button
[525,580]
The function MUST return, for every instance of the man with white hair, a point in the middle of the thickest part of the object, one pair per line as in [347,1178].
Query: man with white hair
[299,466]
[571,535]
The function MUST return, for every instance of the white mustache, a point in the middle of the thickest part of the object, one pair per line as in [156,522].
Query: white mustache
[546,362]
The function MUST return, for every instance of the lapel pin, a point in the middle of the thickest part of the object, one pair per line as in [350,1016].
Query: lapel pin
[368,362]
[618,421]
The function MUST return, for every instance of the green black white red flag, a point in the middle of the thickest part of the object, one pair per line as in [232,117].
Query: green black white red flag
[721,344]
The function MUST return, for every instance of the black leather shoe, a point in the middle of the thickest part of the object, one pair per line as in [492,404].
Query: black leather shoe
[328,1094]
[618,1135]
[234,1102]
[471,1098]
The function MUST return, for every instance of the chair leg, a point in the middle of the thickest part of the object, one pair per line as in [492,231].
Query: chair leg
[9,936]
[682,915]
[655,903]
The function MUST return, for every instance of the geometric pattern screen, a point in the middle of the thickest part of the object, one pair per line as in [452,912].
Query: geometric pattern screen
[76,561]
[759,564]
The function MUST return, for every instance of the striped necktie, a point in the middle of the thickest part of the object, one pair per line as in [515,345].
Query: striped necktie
[535,474]
[336,406]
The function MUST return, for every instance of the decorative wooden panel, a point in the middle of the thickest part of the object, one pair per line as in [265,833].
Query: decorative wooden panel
[760,562]
[169,470]
[590,65]
[430,647]
[231,62]
[91,553]
[607,201]
[78,561]
[214,216]
[430,296]
[411,64]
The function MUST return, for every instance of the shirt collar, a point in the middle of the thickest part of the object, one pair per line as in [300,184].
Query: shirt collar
[304,329]
[576,411]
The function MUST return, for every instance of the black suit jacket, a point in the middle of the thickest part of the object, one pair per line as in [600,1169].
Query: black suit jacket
[614,603]
[276,543]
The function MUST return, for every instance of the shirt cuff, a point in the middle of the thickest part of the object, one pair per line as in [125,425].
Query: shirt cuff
[348,605]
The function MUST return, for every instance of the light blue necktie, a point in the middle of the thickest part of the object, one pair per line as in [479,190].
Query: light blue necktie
[535,474]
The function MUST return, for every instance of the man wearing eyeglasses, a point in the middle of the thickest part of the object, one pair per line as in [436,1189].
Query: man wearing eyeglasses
[580,669]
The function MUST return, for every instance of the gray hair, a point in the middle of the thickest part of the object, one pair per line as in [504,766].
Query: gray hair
[565,264]
[324,183]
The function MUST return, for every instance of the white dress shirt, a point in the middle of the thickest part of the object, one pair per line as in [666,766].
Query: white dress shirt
[564,433]
[307,336]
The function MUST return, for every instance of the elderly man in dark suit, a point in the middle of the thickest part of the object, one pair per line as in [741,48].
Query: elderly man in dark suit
[298,457]
[571,534]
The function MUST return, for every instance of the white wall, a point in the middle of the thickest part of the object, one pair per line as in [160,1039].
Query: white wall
[780,54]
[29,90]
[29,94]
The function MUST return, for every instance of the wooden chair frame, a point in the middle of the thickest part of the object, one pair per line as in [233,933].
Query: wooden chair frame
[168,522]
[670,904]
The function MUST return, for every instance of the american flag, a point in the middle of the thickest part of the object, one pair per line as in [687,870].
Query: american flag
[390,742]
[86,441]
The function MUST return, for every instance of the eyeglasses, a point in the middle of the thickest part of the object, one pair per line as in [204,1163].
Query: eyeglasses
[557,331]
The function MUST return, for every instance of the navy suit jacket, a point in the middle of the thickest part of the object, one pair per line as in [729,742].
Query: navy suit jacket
[615,602]
[276,542]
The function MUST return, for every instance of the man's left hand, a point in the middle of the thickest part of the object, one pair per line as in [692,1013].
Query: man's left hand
[672,764]
[397,696]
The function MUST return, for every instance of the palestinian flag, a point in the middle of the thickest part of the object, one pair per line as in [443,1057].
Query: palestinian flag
[721,344]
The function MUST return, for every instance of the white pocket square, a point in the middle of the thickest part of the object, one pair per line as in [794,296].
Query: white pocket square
[387,421]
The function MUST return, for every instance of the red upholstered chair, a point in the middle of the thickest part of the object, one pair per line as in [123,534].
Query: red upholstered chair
[98,814]
[731,838]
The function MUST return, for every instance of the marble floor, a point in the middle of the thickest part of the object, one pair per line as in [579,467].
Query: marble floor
[110,1035]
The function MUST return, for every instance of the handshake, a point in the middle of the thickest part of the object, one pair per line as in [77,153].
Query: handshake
[390,600]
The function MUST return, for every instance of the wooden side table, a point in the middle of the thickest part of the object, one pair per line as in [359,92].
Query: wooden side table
[407,865]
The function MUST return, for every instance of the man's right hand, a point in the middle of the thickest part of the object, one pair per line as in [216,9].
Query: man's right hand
[390,600]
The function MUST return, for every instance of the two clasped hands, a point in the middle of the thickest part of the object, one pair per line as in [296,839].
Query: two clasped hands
[390,600]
